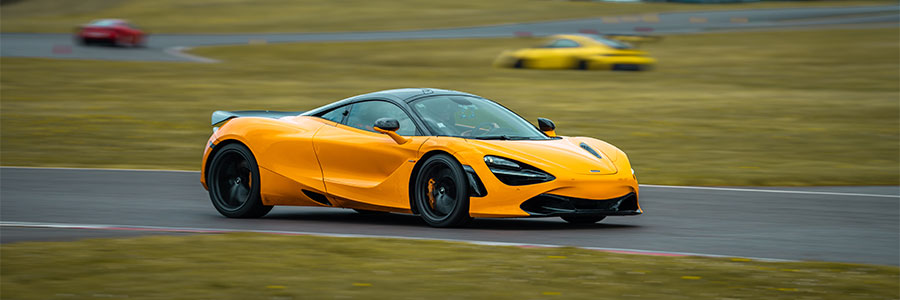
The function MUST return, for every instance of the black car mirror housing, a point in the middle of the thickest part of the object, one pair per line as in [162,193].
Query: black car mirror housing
[547,127]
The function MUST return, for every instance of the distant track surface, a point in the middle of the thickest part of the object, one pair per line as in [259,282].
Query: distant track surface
[842,224]
[167,47]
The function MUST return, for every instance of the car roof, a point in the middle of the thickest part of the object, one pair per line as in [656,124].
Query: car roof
[593,40]
[582,38]
[398,96]
[107,22]
[409,94]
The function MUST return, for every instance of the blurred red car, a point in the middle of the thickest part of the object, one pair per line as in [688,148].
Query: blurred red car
[113,32]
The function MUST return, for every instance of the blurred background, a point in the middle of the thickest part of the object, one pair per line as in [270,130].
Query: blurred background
[736,97]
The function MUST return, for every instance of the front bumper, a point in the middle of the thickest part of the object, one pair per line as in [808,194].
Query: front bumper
[546,205]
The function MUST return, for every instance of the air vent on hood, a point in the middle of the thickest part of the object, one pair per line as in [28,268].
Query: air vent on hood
[591,150]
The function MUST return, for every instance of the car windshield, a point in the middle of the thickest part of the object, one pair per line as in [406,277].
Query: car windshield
[104,23]
[475,118]
[612,43]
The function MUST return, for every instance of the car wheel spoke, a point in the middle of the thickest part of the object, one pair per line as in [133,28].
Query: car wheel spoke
[242,192]
[444,204]
[234,194]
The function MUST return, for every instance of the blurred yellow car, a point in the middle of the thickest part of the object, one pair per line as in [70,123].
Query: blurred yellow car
[578,51]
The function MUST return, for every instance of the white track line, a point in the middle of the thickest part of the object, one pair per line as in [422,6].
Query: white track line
[179,51]
[768,191]
[345,235]
[642,185]
[98,169]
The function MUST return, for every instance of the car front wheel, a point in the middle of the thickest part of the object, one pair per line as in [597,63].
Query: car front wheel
[441,192]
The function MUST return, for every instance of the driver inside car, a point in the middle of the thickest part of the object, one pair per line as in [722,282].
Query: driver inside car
[444,121]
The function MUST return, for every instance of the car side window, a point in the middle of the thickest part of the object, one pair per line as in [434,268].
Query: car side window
[336,115]
[563,43]
[364,114]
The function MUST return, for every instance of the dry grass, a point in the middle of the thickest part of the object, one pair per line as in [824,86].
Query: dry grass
[200,16]
[254,266]
[786,108]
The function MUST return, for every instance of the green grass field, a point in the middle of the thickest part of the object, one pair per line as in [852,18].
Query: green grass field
[256,266]
[785,108]
[174,16]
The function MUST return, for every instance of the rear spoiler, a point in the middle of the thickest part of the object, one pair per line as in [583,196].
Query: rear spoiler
[220,116]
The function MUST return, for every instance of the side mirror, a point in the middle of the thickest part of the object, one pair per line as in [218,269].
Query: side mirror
[389,126]
[547,127]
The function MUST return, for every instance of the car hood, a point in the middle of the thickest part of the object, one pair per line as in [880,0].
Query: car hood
[554,156]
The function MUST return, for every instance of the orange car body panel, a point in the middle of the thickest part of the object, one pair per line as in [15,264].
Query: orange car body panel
[366,169]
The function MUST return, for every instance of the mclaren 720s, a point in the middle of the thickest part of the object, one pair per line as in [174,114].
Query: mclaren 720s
[446,156]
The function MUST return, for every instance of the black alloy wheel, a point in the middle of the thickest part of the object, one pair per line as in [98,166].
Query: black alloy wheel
[441,192]
[233,181]
[577,219]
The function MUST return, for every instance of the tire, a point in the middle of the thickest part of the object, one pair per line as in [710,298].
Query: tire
[120,42]
[441,192]
[582,65]
[233,181]
[582,220]
[520,64]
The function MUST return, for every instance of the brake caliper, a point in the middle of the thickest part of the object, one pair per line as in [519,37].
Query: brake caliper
[431,192]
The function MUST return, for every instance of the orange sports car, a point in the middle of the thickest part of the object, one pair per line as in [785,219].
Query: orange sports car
[446,156]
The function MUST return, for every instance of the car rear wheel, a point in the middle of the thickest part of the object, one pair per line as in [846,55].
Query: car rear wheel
[122,41]
[441,192]
[583,219]
[520,63]
[582,65]
[233,181]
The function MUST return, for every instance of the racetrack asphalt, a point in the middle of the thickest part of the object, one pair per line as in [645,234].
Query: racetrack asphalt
[840,224]
[167,47]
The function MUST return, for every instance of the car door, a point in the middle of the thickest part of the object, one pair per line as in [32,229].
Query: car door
[558,54]
[363,168]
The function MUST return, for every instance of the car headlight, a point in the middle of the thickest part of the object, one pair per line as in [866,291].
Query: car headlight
[515,173]
[493,161]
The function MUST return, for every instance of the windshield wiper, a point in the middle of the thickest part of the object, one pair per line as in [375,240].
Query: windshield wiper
[502,137]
